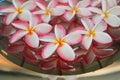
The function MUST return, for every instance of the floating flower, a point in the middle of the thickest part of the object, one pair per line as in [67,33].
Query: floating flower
[50,10]
[110,15]
[31,31]
[61,43]
[94,32]
[78,8]
[20,9]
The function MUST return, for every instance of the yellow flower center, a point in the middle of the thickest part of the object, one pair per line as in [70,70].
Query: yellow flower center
[30,30]
[91,33]
[48,12]
[19,10]
[60,41]
[106,14]
[74,9]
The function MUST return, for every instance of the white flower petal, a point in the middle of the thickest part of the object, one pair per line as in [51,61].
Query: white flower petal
[73,37]
[18,35]
[59,10]
[70,2]
[69,15]
[86,42]
[43,28]
[87,23]
[17,3]
[41,6]
[115,10]
[59,31]
[66,52]
[46,18]
[84,12]
[95,10]
[32,40]
[104,5]
[102,26]
[102,37]
[48,50]
[113,20]
[7,9]
[98,18]
[25,15]
[83,3]
[48,38]
[29,5]
[20,24]
[10,17]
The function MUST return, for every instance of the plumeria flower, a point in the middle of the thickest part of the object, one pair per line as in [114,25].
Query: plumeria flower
[20,9]
[78,8]
[110,16]
[94,32]
[50,10]
[61,43]
[31,31]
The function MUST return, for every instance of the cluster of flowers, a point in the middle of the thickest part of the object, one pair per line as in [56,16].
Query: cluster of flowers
[60,33]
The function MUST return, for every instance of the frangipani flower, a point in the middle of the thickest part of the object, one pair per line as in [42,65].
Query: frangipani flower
[110,16]
[20,9]
[50,10]
[94,32]
[79,8]
[31,31]
[61,43]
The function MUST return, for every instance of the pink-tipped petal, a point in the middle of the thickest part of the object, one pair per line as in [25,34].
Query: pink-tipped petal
[25,15]
[20,24]
[33,20]
[59,31]
[29,5]
[7,9]
[70,2]
[59,10]
[39,12]
[69,15]
[41,6]
[98,18]
[18,35]
[66,52]
[112,3]
[46,18]
[32,40]
[104,5]
[83,3]
[113,20]
[84,12]
[73,38]
[48,50]
[48,38]
[115,10]
[102,26]
[43,28]
[17,3]
[51,4]
[95,2]
[10,17]
[86,42]
[102,37]
[88,24]
[95,10]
